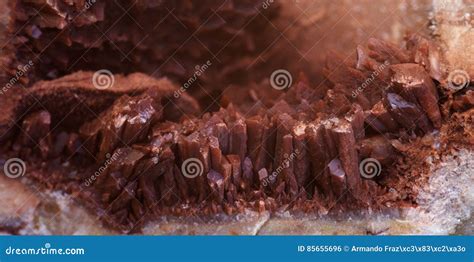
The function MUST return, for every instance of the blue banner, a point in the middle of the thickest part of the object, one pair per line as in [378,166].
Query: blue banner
[237,248]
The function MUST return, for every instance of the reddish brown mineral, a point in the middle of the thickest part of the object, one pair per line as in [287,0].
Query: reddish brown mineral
[145,148]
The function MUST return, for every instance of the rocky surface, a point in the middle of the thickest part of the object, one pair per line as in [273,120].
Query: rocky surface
[399,102]
[55,213]
[138,149]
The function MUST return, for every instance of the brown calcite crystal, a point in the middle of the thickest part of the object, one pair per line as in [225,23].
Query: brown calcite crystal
[344,138]
[413,80]
[379,119]
[338,177]
[127,121]
[152,153]
[76,98]
[407,114]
